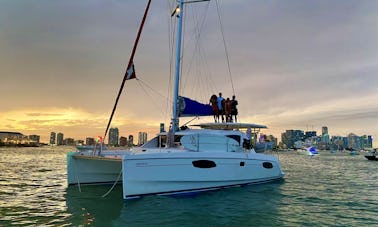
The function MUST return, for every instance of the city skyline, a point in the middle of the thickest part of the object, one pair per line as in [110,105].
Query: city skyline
[294,65]
[142,136]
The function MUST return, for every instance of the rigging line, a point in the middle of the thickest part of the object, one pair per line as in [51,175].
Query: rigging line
[151,97]
[171,41]
[182,48]
[225,46]
[147,85]
[198,31]
[130,66]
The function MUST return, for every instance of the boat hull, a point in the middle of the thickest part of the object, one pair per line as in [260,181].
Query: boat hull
[175,173]
[88,169]
[371,157]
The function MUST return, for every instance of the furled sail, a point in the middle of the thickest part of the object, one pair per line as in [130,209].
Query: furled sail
[192,108]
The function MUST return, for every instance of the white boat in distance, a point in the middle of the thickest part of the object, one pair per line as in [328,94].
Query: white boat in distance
[213,156]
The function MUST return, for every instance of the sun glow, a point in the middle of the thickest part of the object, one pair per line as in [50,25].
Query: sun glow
[76,123]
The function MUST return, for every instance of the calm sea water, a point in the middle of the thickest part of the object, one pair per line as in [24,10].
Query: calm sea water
[327,190]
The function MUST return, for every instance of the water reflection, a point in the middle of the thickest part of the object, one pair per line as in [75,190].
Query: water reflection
[248,205]
[88,207]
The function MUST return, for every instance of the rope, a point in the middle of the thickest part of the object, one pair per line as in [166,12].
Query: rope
[107,193]
[225,46]
[77,176]
[142,84]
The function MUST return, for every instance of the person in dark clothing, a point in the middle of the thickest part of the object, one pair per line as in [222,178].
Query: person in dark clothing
[214,107]
[227,110]
[234,109]
[221,106]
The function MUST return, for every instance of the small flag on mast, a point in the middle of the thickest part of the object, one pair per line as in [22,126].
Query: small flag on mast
[130,72]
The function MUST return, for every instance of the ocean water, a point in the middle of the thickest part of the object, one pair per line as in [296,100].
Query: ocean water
[327,190]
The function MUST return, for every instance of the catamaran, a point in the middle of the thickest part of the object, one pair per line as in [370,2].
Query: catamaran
[202,157]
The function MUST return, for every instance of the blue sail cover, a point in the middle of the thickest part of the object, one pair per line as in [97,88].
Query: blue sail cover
[191,108]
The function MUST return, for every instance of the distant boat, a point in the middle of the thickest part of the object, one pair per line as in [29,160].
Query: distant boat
[311,151]
[372,155]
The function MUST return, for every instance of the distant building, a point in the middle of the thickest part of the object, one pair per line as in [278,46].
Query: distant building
[89,141]
[162,127]
[337,143]
[366,141]
[310,134]
[11,137]
[354,142]
[289,137]
[79,142]
[113,137]
[142,138]
[131,140]
[324,130]
[69,142]
[370,141]
[59,139]
[123,141]
[52,138]
[35,138]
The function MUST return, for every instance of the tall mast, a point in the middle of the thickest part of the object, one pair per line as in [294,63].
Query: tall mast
[179,14]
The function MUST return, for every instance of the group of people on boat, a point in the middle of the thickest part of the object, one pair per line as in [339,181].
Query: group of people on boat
[224,108]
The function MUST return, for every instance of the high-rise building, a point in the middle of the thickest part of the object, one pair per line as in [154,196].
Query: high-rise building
[324,130]
[52,138]
[113,137]
[142,138]
[59,139]
[89,141]
[354,141]
[131,140]
[123,141]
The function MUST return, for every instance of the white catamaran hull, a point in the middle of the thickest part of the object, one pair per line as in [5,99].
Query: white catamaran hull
[89,169]
[183,172]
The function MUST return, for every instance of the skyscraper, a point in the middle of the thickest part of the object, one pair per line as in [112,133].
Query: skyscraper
[142,138]
[131,140]
[52,138]
[113,137]
[324,130]
[59,139]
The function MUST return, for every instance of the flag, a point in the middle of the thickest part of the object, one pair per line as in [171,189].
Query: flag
[130,72]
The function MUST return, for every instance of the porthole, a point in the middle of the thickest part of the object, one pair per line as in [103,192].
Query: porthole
[267,165]
[204,164]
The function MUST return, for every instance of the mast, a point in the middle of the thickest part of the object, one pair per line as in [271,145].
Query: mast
[175,120]
[130,70]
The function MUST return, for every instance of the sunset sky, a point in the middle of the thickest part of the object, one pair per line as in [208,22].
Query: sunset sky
[294,64]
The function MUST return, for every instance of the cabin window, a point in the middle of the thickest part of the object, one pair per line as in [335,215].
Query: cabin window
[242,163]
[204,164]
[235,137]
[163,140]
[267,165]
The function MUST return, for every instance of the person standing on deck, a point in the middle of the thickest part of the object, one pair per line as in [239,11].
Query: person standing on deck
[227,110]
[220,105]
[234,109]
[214,106]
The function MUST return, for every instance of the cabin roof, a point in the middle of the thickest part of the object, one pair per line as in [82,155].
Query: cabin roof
[229,125]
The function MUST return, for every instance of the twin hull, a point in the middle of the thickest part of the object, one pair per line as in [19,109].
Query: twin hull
[180,172]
